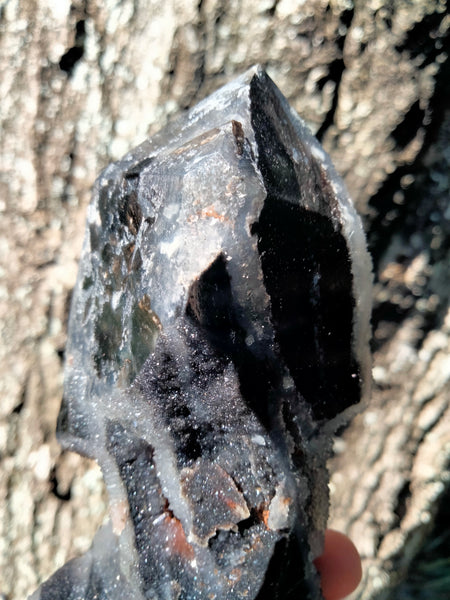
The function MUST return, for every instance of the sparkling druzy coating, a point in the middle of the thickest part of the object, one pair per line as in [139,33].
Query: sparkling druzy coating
[218,335]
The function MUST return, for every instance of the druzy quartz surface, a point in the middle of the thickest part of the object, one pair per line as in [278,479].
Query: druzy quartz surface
[218,336]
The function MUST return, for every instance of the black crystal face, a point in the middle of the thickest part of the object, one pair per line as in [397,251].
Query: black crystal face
[218,333]
[212,306]
[307,267]
[307,274]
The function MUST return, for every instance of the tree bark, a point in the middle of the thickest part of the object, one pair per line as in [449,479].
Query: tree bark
[83,82]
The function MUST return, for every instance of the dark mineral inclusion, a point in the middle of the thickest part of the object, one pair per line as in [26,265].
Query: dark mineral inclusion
[218,336]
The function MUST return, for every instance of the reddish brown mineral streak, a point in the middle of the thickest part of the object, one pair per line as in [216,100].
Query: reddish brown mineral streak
[211,212]
[176,538]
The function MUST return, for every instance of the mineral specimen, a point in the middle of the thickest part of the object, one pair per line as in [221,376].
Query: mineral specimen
[218,336]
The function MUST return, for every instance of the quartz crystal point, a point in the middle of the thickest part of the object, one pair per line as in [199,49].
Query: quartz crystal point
[218,336]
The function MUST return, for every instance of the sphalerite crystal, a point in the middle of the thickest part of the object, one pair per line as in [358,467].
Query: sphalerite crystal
[218,336]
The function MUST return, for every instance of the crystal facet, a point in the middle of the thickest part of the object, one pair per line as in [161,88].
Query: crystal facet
[218,336]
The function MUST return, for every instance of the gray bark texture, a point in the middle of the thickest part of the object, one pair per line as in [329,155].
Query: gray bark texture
[81,83]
